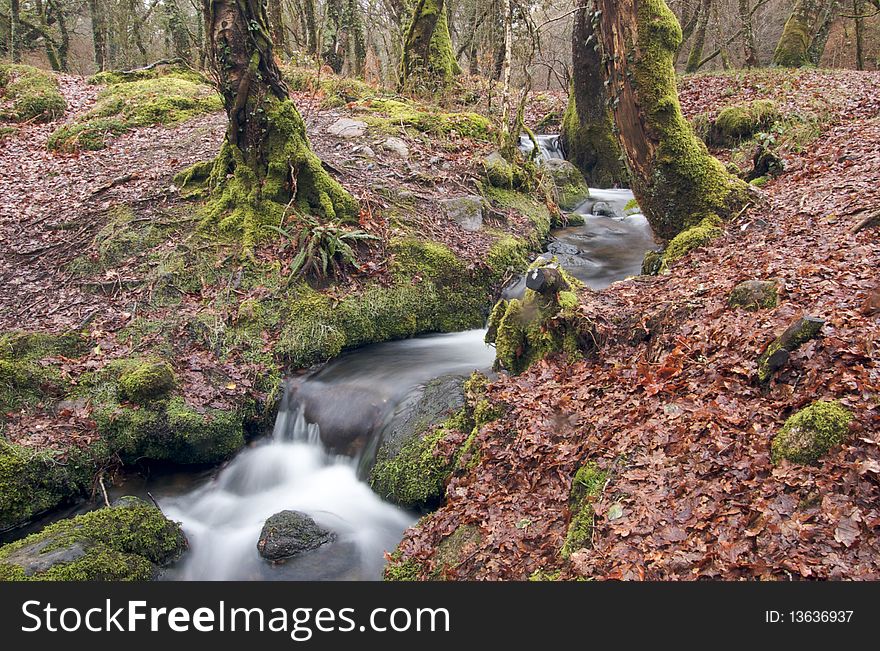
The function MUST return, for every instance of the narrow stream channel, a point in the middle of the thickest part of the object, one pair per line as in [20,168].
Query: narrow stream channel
[330,422]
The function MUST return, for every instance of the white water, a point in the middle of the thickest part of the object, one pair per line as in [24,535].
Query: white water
[223,517]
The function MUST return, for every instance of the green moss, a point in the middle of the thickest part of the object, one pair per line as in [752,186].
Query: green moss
[571,188]
[545,575]
[523,203]
[428,62]
[507,255]
[588,483]
[693,238]
[416,478]
[112,77]
[123,106]
[810,433]
[33,94]
[741,121]
[128,541]
[396,113]
[401,569]
[793,49]
[451,551]
[33,481]
[592,146]
[85,136]
[333,90]
[754,295]
[6,131]
[147,381]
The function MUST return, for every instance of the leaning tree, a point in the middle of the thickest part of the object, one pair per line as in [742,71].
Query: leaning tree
[676,181]
[428,60]
[588,124]
[265,164]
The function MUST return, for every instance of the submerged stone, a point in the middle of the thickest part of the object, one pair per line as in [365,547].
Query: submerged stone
[289,533]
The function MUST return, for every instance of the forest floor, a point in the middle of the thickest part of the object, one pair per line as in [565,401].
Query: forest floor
[668,405]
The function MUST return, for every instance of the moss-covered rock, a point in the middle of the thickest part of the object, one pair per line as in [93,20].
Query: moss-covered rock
[571,188]
[808,434]
[588,483]
[29,94]
[111,77]
[124,106]
[34,481]
[399,568]
[754,295]
[389,115]
[129,541]
[742,121]
[693,238]
[147,381]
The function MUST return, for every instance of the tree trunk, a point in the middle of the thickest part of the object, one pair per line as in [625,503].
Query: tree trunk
[797,35]
[750,51]
[860,48]
[428,60]
[311,27]
[355,45]
[588,136]
[334,51]
[64,35]
[817,47]
[696,53]
[266,160]
[14,29]
[178,38]
[508,139]
[675,180]
[276,23]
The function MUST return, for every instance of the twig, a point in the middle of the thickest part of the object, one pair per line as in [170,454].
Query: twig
[119,180]
[103,490]
[867,221]
[153,500]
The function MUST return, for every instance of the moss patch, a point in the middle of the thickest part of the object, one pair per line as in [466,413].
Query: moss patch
[742,121]
[128,541]
[587,485]
[810,433]
[28,94]
[147,381]
[693,238]
[400,569]
[124,106]
[392,114]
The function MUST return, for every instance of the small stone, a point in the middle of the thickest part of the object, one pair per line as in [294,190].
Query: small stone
[754,295]
[347,128]
[364,151]
[466,211]
[289,533]
[396,146]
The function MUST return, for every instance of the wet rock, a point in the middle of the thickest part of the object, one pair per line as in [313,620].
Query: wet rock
[289,533]
[440,398]
[396,146]
[604,208]
[347,128]
[779,351]
[754,295]
[465,211]
[562,248]
[347,413]
[571,188]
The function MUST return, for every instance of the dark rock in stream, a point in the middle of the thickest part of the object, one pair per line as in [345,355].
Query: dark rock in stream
[289,533]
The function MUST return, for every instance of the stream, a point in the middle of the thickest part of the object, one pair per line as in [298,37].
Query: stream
[331,421]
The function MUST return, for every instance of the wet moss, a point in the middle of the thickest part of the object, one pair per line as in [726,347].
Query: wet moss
[693,238]
[588,483]
[34,481]
[85,136]
[742,121]
[810,433]
[593,147]
[526,204]
[147,381]
[33,95]
[399,568]
[128,541]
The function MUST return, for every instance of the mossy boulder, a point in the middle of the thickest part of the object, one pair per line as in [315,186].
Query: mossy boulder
[29,94]
[35,481]
[124,106]
[129,541]
[754,295]
[571,188]
[588,483]
[389,115]
[742,121]
[147,381]
[810,433]
[693,238]
[501,173]
[289,533]
[466,211]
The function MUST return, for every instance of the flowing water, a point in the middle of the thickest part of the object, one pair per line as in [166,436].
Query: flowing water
[330,423]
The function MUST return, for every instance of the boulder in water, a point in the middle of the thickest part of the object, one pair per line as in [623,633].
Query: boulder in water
[289,533]
[605,209]
[571,188]
[466,211]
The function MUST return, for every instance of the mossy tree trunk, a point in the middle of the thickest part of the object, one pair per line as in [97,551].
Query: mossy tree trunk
[696,53]
[428,60]
[793,50]
[820,40]
[750,50]
[265,162]
[344,46]
[14,28]
[276,23]
[676,181]
[588,124]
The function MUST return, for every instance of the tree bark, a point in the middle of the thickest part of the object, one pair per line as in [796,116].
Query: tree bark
[798,33]
[696,53]
[14,29]
[428,60]
[276,24]
[750,51]
[588,136]
[675,180]
[860,47]
[265,161]
[817,46]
